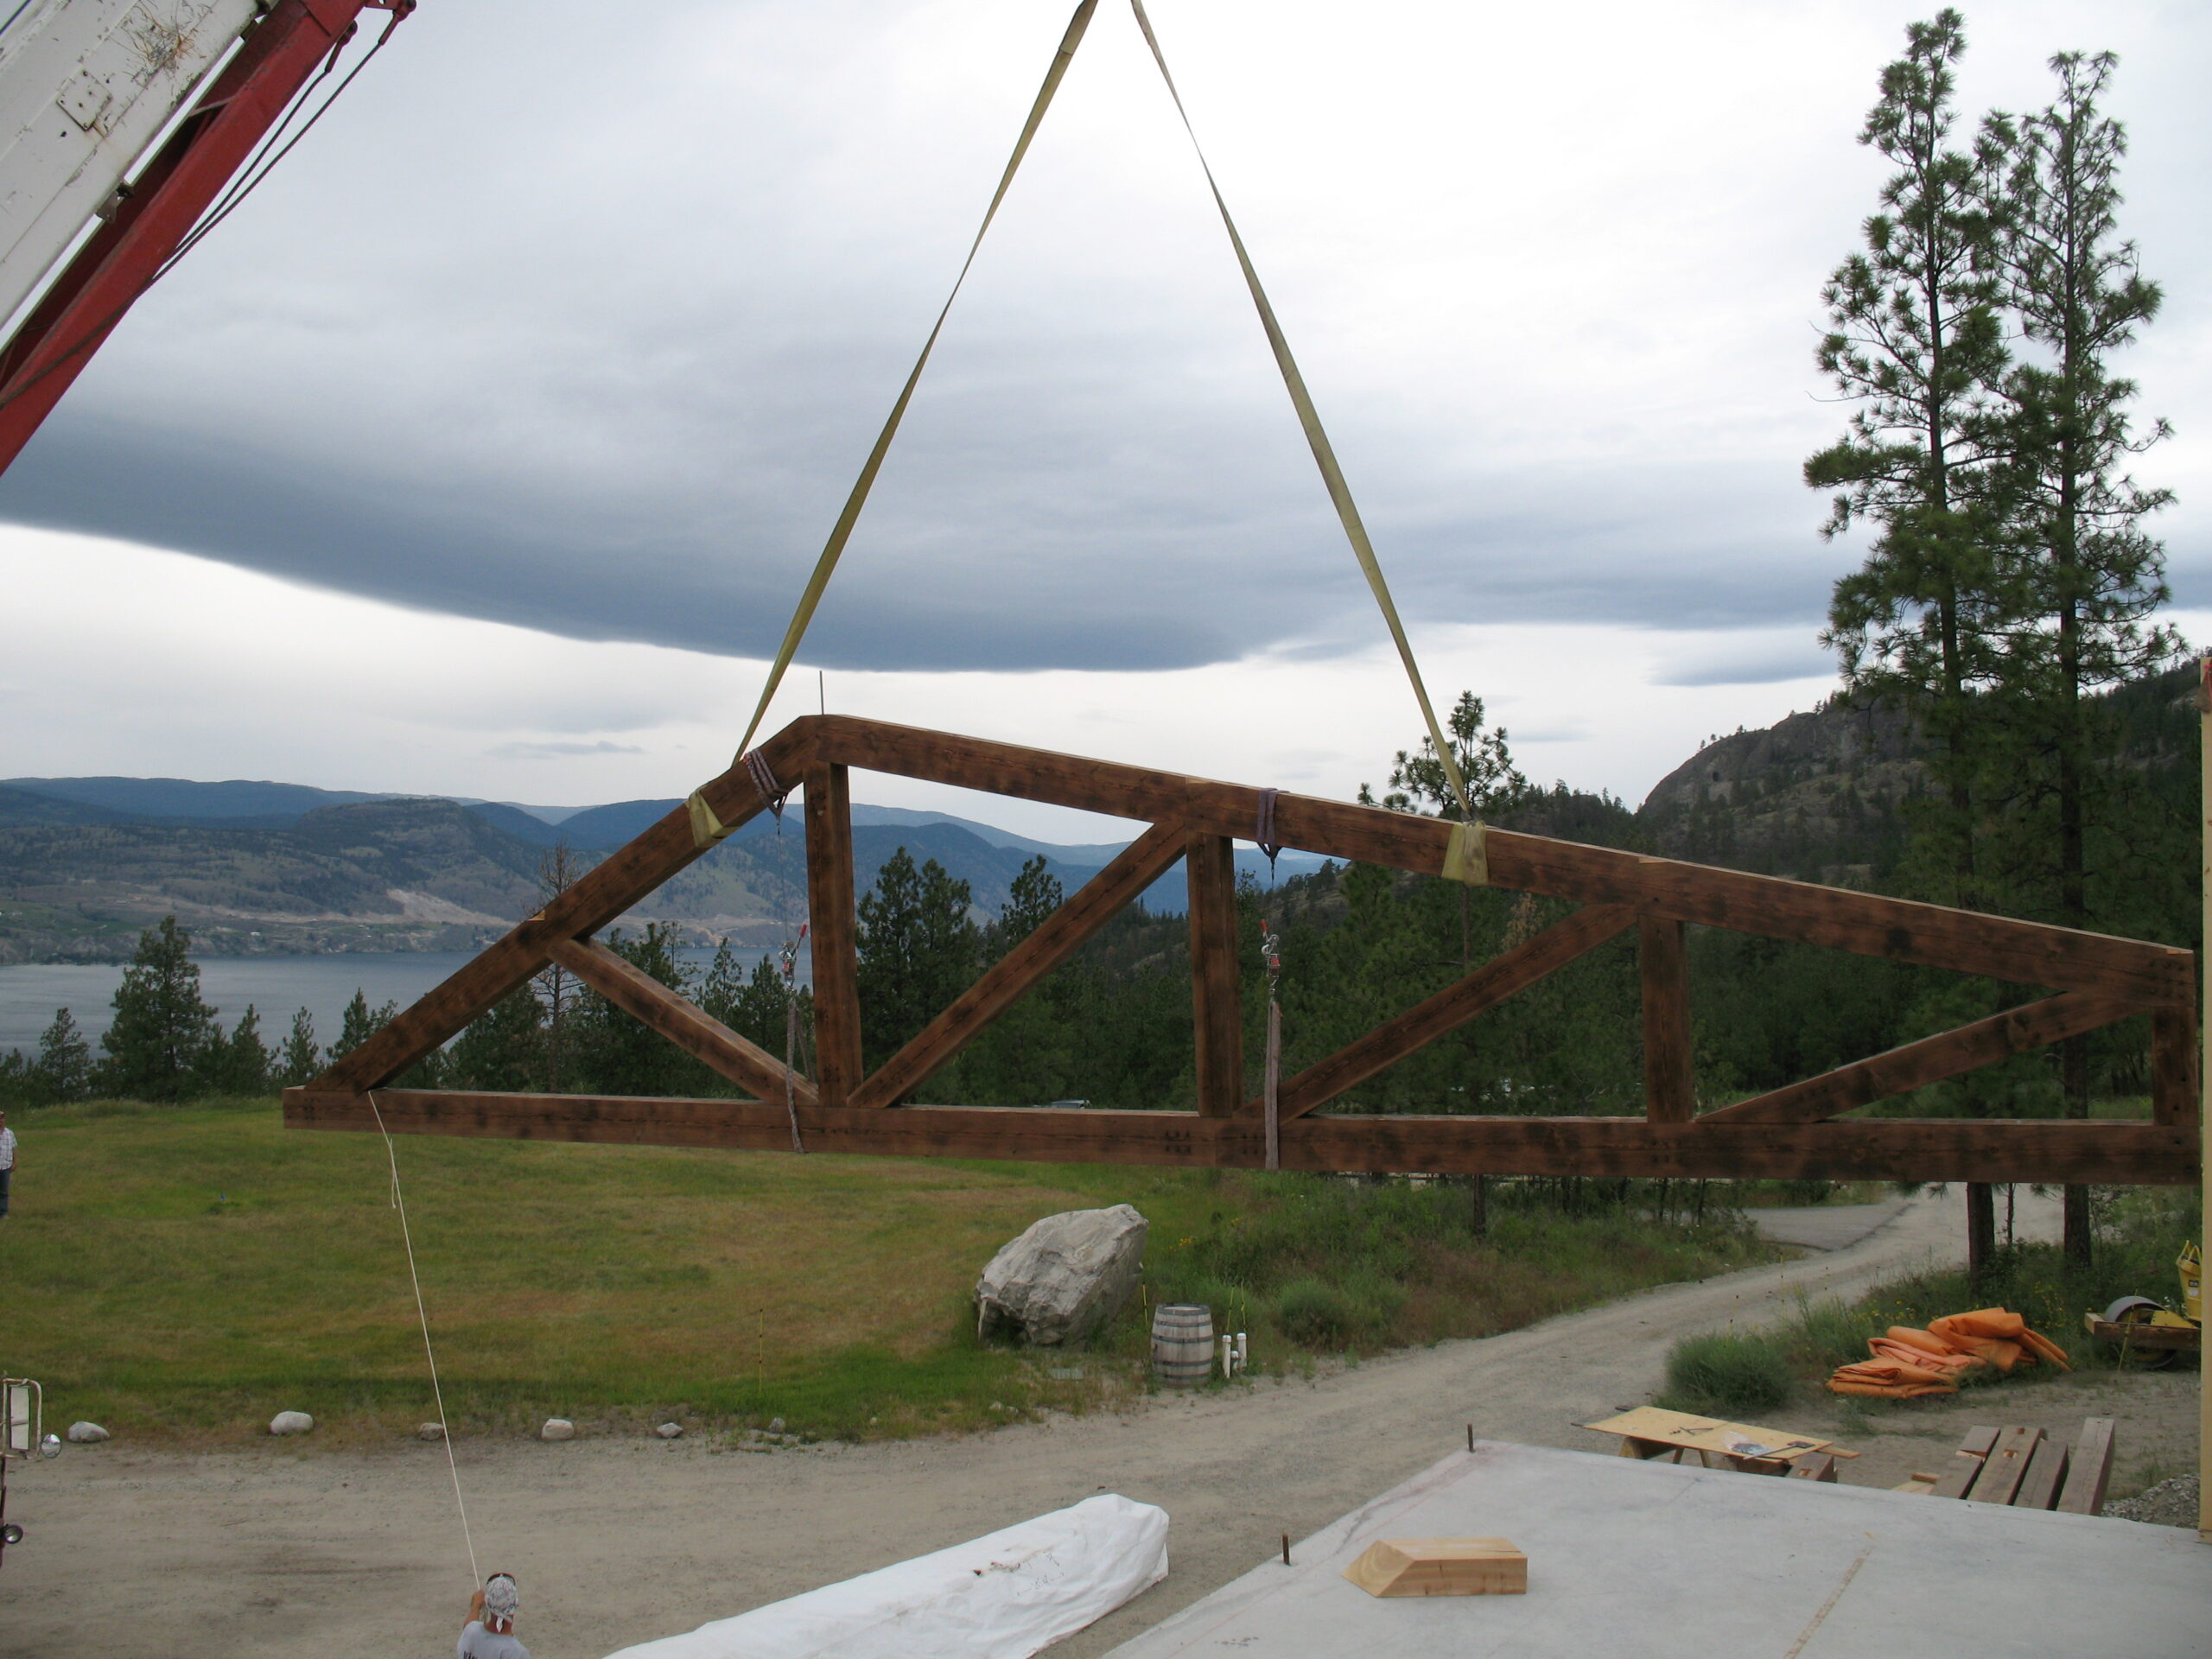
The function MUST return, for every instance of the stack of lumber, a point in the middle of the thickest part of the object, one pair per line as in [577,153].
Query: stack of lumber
[2026,1469]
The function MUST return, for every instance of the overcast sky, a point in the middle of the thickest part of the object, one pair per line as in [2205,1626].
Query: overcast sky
[485,448]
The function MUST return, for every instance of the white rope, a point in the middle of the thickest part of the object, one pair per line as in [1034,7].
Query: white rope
[445,1430]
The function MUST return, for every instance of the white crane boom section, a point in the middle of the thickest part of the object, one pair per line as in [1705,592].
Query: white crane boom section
[86,86]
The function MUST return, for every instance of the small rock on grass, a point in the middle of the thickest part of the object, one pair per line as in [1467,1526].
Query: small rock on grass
[670,1430]
[430,1432]
[775,1426]
[86,1434]
[290,1422]
[557,1428]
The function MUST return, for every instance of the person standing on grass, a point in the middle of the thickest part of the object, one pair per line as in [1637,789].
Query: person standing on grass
[489,1633]
[7,1162]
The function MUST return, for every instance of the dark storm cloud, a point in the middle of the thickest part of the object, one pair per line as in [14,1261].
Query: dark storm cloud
[594,344]
[1122,583]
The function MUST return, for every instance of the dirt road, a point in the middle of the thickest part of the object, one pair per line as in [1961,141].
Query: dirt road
[269,1550]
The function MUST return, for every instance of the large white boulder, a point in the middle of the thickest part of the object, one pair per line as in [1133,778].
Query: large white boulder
[557,1428]
[290,1422]
[1064,1277]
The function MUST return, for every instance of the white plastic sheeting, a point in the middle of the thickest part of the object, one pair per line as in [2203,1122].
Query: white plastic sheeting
[1005,1596]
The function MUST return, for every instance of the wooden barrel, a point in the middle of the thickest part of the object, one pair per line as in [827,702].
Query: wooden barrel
[1182,1344]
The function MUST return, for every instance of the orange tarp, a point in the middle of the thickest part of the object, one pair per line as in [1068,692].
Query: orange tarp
[1907,1364]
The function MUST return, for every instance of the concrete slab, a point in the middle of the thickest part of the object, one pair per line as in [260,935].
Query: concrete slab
[1671,1563]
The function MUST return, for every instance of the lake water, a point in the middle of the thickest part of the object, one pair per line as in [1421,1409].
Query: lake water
[276,986]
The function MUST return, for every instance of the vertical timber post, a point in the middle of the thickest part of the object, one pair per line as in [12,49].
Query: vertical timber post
[1217,1009]
[829,916]
[2173,1066]
[1670,1086]
[2204,1079]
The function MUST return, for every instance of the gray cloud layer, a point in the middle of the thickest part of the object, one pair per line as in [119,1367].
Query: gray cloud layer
[594,344]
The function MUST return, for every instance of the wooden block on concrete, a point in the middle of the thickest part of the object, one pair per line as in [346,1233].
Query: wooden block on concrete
[1820,1468]
[2088,1469]
[1441,1566]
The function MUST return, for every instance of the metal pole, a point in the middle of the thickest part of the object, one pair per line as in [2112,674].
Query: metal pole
[1271,1090]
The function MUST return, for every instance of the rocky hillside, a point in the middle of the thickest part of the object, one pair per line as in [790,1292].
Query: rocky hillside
[382,876]
[1818,796]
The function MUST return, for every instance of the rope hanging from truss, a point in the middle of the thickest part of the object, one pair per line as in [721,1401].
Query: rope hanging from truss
[1316,438]
[430,1354]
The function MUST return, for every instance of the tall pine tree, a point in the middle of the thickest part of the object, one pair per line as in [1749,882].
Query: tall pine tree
[299,1060]
[63,1069]
[239,1063]
[161,1030]
[2086,579]
[1915,340]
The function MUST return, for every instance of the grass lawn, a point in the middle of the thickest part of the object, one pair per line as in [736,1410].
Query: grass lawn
[183,1273]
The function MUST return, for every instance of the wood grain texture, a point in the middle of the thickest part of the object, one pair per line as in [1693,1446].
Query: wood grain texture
[835,932]
[2174,1092]
[2006,1462]
[1440,1566]
[2046,1473]
[1216,1003]
[1090,908]
[2029,953]
[1486,987]
[1929,1060]
[1964,1467]
[2024,952]
[691,1028]
[1669,1085]
[607,890]
[2088,1468]
[1941,1150]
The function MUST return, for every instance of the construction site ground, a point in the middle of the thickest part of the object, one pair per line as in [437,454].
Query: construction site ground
[256,1551]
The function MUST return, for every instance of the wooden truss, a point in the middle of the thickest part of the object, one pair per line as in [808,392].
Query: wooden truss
[1794,1132]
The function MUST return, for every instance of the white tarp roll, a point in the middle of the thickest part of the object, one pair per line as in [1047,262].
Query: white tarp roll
[1006,1596]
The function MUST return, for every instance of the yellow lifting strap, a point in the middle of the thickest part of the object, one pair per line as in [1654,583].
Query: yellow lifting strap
[841,531]
[1466,848]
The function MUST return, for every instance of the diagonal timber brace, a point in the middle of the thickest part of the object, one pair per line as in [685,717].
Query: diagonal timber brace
[645,1000]
[606,891]
[1450,1009]
[1090,908]
[1916,1065]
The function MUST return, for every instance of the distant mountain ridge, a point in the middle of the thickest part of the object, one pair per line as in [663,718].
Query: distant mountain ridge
[243,803]
[252,867]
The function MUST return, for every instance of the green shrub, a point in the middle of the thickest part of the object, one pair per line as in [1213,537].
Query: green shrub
[1728,1374]
[1828,1333]
[1316,1315]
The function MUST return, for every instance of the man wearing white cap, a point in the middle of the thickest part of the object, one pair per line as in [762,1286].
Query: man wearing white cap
[489,1633]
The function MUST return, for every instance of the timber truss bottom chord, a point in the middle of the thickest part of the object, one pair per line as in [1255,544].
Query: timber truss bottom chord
[1863,1149]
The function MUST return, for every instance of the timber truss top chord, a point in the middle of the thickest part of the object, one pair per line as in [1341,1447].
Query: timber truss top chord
[1791,1132]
